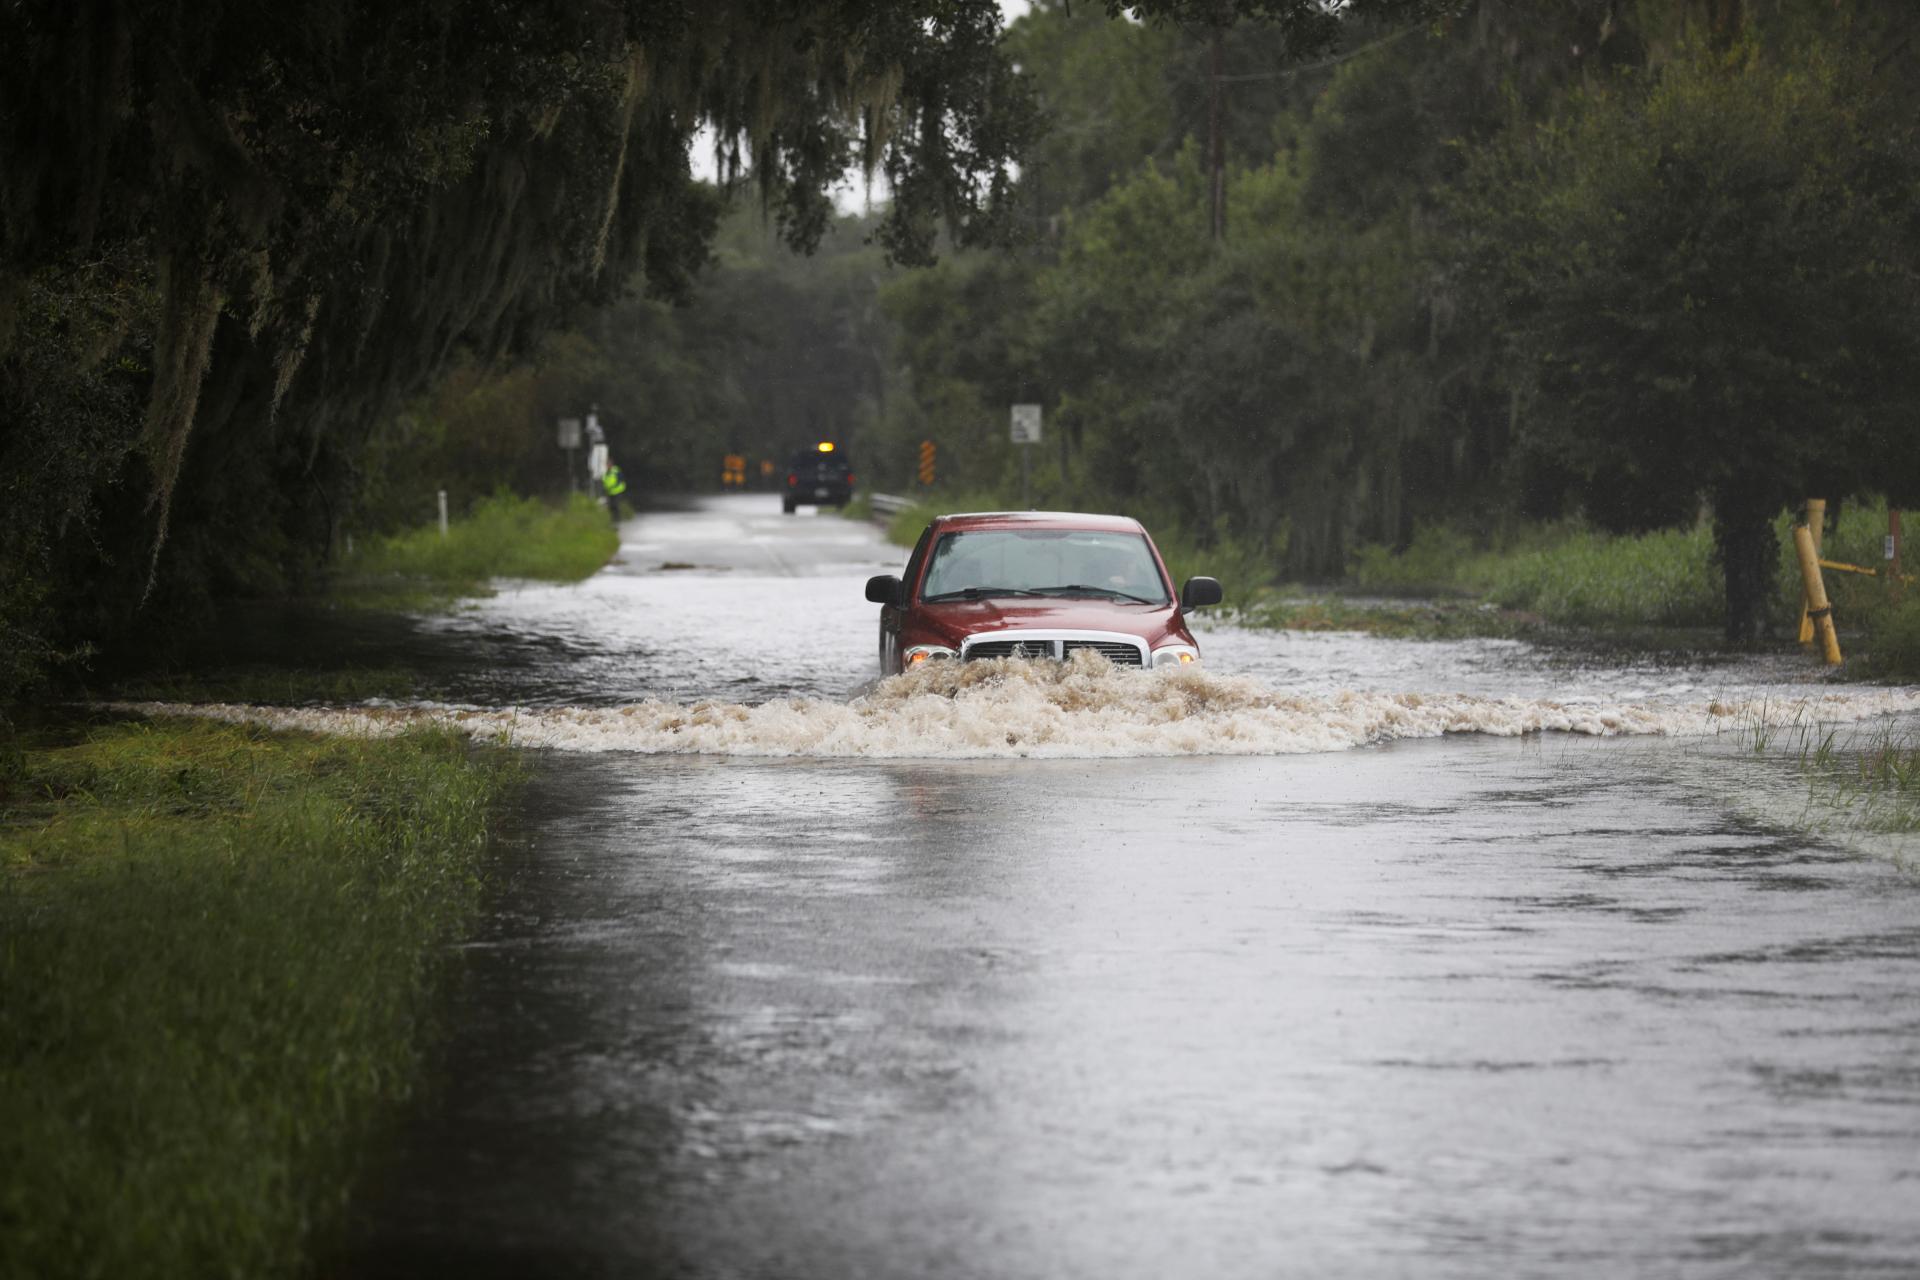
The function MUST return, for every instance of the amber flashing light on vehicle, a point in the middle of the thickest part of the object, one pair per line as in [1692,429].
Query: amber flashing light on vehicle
[826,446]
[919,653]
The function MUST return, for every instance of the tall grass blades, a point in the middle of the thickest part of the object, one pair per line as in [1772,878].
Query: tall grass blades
[1861,779]
[1666,578]
[218,949]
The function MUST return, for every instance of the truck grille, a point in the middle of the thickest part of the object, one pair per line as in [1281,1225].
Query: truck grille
[1013,649]
[1118,652]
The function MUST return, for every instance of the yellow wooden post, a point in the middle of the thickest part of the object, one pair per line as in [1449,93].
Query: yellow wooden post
[1816,521]
[1819,612]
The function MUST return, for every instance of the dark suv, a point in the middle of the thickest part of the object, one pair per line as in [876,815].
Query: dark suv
[820,476]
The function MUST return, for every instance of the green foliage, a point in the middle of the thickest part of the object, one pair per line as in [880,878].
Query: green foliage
[501,537]
[1665,578]
[219,948]
[1505,266]
[1703,275]
[1242,566]
[1436,559]
[1562,574]
[1261,394]
[770,352]
[235,242]
[1893,640]
[1536,261]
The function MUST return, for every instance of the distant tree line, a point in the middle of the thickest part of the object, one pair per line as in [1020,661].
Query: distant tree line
[267,274]
[1631,262]
[1637,264]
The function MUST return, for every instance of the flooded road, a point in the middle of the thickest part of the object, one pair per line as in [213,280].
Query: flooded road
[1544,1005]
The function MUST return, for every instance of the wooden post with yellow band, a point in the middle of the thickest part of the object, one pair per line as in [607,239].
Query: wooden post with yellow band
[1817,522]
[1819,611]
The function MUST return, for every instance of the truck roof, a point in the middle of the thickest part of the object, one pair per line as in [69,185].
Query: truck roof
[963,520]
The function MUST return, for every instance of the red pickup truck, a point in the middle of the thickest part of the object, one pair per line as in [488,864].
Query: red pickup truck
[1038,585]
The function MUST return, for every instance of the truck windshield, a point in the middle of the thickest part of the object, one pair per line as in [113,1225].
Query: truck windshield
[1058,562]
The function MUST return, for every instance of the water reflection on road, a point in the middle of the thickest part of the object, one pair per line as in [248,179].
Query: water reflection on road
[1540,1006]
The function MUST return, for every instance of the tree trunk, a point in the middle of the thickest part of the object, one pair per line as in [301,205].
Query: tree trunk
[1743,539]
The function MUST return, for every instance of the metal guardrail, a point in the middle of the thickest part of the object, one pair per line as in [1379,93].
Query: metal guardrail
[887,504]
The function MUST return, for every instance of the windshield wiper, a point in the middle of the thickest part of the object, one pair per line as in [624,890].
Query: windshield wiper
[976,593]
[1081,589]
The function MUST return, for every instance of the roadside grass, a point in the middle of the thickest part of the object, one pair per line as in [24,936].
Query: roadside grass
[503,537]
[1893,639]
[1661,579]
[219,944]
[1665,581]
[1563,574]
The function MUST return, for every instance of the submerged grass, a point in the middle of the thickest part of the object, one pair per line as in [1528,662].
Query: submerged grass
[1864,780]
[219,944]
[503,537]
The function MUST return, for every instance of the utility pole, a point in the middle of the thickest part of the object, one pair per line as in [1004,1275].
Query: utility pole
[1216,142]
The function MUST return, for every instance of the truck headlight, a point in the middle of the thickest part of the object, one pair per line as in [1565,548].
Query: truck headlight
[919,653]
[1175,655]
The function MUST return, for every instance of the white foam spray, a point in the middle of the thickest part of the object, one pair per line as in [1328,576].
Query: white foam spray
[1077,709]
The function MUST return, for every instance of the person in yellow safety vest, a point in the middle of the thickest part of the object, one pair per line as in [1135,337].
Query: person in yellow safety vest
[616,484]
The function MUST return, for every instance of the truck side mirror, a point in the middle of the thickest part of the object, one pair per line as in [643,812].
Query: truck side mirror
[884,588]
[1200,592]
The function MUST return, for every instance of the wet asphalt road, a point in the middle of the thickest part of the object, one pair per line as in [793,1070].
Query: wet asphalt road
[1554,1006]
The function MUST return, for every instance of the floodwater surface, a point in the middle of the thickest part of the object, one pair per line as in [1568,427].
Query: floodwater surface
[1387,1004]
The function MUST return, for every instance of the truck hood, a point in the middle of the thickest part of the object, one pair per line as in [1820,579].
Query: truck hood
[954,620]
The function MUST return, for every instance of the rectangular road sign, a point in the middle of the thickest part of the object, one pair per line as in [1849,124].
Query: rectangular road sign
[1026,424]
[569,433]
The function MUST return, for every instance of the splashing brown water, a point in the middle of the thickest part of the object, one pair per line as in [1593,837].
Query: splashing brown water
[1078,709]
